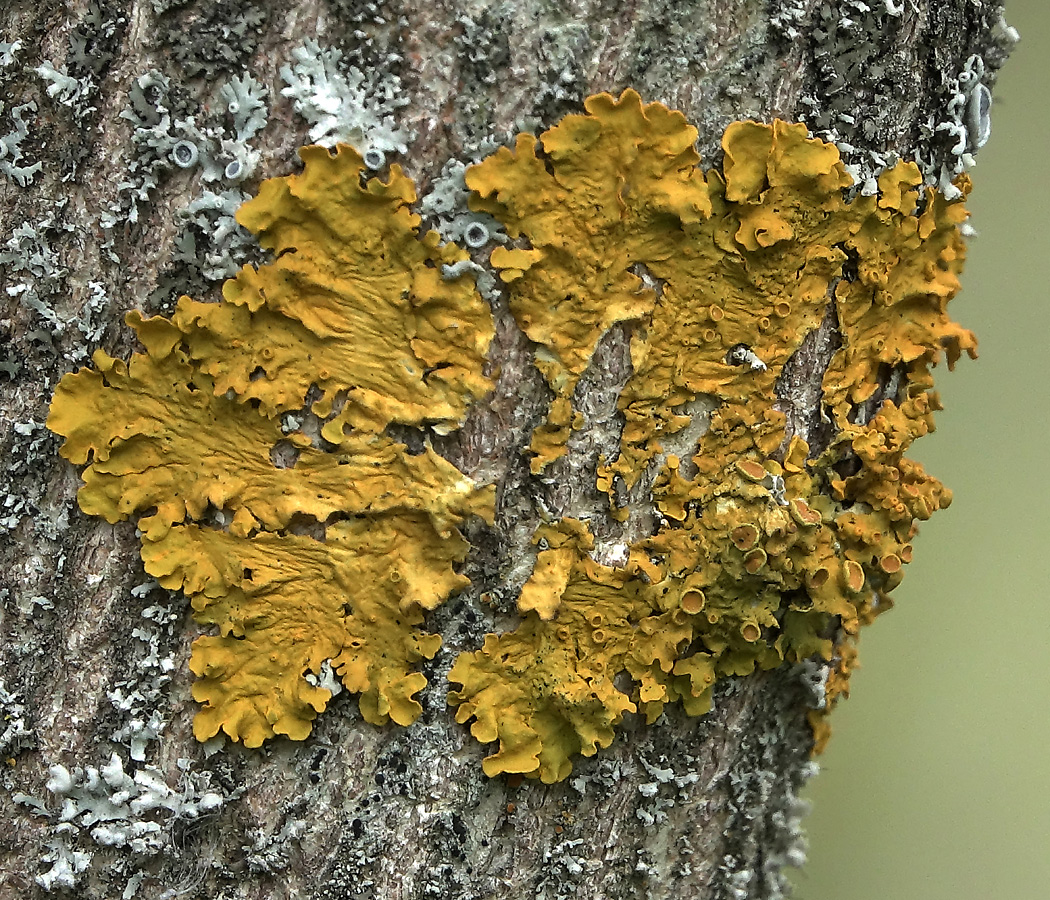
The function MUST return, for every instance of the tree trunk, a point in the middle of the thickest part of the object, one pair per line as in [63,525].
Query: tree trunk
[118,195]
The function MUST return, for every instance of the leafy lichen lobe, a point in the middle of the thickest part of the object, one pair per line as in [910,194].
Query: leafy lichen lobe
[251,435]
[769,550]
[334,556]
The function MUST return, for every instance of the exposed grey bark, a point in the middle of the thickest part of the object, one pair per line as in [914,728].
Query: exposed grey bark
[94,656]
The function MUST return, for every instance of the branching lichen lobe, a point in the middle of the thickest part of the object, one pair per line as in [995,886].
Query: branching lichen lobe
[352,308]
[767,551]
[767,554]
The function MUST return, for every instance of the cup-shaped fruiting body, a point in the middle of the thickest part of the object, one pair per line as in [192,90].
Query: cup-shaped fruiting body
[374,159]
[475,235]
[185,154]
[770,552]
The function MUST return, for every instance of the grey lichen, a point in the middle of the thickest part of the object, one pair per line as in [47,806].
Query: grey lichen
[967,123]
[444,208]
[63,88]
[72,79]
[139,697]
[66,865]
[206,39]
[106,807]
[8,53]
[32,260]
[216,149]
[29,444]
[34,268]
[11,154]
[245,100]
[564,54]
[17,735]
[227,244]
[340,104]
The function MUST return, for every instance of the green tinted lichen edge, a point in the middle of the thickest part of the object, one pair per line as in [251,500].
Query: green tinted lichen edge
[768,551]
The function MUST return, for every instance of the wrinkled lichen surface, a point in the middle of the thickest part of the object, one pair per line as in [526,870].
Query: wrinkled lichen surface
[253,437]
[249,439]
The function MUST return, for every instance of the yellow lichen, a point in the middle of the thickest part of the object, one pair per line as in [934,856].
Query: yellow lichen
[769,552]
[546,691]
[354,322]
[252,437]
[622,190]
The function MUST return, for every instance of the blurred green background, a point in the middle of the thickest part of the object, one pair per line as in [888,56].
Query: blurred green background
[936,783]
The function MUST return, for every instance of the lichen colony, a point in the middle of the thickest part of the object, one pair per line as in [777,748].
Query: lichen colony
[779,534]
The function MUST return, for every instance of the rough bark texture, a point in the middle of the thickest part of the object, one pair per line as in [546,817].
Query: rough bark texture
[94,655]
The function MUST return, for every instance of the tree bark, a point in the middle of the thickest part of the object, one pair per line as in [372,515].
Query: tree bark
[96,220]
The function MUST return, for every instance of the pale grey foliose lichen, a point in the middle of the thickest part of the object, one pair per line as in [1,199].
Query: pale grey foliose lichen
[108,807]
[340,104]
[11,154]
[17,734]
[138,698]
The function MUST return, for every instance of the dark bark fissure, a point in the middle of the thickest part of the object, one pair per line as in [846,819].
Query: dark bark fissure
[799,386]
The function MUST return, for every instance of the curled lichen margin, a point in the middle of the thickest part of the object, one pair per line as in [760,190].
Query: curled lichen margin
[250,440]
[769,551]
